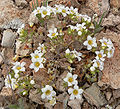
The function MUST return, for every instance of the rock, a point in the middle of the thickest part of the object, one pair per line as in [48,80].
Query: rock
[108,95]
[8,12]
[1,58]
[98,6]
[86,105]
[33,19]
[8,38]
[1,82]
[5,94]
[118,107]
[21,3]
[28,62]
[115,3]
[111,72]
[111,20]
[21,50]
[58,106]
[116,93]
[35,96]
[41,77]
[75,104]
[60,82]
[94,96]
[13,24]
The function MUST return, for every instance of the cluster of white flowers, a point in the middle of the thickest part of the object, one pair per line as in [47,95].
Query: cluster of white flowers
[107,50]
[49,93]
[80,28]
[37,58]
[74,53]
[60,9]
[10,82]
[12,79]
[75,91]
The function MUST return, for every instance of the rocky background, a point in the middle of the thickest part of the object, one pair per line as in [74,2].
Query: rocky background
[106,91]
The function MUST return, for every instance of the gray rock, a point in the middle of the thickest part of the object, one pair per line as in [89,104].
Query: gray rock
[21,3]
[75,104]
[33,18]
[94,96]
[116,93]
[118,107]
[14,24]
[108,95]
[8,38]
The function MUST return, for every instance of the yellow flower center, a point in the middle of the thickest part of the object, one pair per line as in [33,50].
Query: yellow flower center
[53,34]
[70,79]
[99,55]
[98,63]
[9,81]
[18,67]
[110,51]
[36,56]
[38,11]
[90,42]
[48,92]
[16,86]
[72,11]
[45,12]
[105,43]
[64,11]
[37,64]
[75,92]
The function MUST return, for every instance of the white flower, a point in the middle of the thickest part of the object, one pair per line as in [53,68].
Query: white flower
[86,18]
[45,11]
[108,107]
[52,102]
[73,10]
[18,67]
[72,27]
[98,64]
[79,33]
[110,44]
[24,92]
[75,93]
[71,79]
[53,33]
[21,29]
[90,42]
[31,24]
[77,54]
[41,48]
[110,52]
[36,65]
[57,10]
[68,51]
[104,41]
[37,11]
[64,10]
[32,82]
[92,68]
[16,75]
[79,27]
[48,92]
[10,82]
[100,55]
[36,55]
